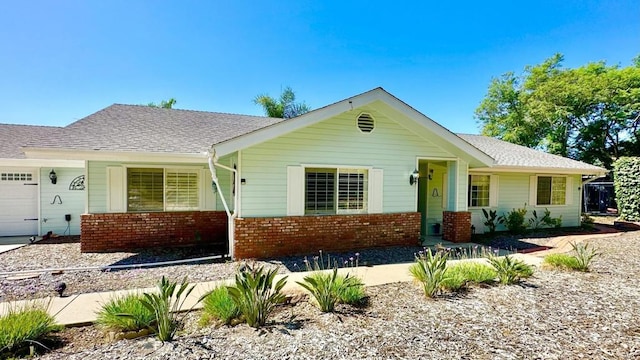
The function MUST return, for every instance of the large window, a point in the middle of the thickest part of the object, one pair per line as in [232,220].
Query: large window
[153,189]
[479,190]
[552,190]
[331,191]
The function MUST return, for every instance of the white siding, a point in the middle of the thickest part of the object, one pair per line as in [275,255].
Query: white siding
[52,213]
[336,141]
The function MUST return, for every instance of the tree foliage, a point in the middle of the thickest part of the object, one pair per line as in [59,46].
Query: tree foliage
[590,113]
[285,107]
[626,175]
[165,104]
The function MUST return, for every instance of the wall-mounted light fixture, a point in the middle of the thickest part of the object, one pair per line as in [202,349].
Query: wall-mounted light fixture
[430,174]
[53,177]
[413,178]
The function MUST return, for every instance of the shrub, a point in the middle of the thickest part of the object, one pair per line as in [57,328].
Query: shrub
[510,270]
[562,261]
[475,272]
[20,327]
[587,222]
[256,296]
[491,220]
[626,182]
[323,289]
[125,313]
[584,255]
[537,222]
[514,220]
[454,280]
[218,305]
[165,306]
[430,271]
[351,291]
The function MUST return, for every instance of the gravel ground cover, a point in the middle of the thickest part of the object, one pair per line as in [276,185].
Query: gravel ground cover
[554,315]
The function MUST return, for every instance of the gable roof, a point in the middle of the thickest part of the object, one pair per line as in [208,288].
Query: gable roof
[139,128]
[13,137]
[517,157]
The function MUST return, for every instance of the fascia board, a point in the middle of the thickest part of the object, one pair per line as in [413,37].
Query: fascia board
[97,155]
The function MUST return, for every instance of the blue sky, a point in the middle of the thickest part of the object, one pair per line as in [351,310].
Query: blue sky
[63,60]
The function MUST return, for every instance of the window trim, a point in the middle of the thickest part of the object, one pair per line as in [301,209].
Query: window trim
[469,192]
[165,168]
[493,190]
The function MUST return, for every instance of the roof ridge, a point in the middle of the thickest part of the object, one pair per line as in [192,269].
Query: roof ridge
[191,110]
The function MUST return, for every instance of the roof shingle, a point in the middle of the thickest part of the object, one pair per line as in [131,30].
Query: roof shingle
[13,137]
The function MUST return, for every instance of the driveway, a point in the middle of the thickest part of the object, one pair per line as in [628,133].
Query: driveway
[8,243]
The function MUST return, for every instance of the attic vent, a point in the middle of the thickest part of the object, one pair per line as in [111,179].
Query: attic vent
[365,123]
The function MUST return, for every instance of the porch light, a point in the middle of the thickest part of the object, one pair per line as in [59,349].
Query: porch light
[53,177]
[413,178]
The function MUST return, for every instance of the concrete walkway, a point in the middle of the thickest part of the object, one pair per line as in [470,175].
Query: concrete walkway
[81,309]
[8,243]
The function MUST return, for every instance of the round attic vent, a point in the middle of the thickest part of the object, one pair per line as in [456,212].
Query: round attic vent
[365,123]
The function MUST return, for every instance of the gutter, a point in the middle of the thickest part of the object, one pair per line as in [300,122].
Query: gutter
[231,216]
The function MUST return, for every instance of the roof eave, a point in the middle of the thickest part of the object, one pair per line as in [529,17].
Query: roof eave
[100,155]
[541,169]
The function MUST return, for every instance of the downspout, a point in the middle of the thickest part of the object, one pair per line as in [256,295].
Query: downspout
[231,216]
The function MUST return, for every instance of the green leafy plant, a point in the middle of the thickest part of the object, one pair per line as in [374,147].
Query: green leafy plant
[255,294]
[165,305]
[514,220]
[323,288]
[351,291]
[545,220]
[492,220]
[430,271]
[125,313]
[23,326]
[218,305]
[510,270]
[561,261]
[584,255]
[626,182]
[587,222]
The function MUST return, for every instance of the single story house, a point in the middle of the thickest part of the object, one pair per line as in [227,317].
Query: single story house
[365,171]
[38,195]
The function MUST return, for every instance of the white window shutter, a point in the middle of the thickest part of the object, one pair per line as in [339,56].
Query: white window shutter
[493,191]
[569,191]
[533,190]
[115,189]
[295,190]
[375,191]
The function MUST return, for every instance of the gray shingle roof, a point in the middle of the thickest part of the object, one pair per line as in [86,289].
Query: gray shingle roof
[139,128]
[14,137]
[511,155]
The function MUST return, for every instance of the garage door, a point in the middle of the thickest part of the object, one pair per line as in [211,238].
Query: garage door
[18,202]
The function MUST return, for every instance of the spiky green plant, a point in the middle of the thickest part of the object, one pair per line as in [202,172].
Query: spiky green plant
[23,326]
[351,291]
[510,270]
[125,313]
[218,305]
[561,261]
[323,288]
[584,255]
[255,294]
[430,271]
[165,304]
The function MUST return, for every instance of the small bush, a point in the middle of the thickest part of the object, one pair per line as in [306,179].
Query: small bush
[430,271]
[165,305]
[22,327]
[323,288]
[475,272]
[125,313]
[587,222]
[256,296]
[514,220]
[454,280]
[584,255]
[510,270]
[351,291]
[218,305]
[561,261]
[492,220]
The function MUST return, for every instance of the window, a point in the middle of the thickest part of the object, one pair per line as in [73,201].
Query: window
[16,176]
[479,190]
[331,191]
[153,189]
[552,190]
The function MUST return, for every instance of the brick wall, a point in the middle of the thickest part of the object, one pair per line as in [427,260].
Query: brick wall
[456,226]
[132,231]
[299,235]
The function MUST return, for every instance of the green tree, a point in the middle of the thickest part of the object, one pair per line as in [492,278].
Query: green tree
[285,107]
[165,104]
[590,113]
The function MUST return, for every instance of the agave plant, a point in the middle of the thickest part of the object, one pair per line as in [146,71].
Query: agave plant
[165,305]
[584,256]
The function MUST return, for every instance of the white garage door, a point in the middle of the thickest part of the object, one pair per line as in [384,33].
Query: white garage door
[18,202]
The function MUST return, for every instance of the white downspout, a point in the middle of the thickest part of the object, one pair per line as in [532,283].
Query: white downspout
[213,162]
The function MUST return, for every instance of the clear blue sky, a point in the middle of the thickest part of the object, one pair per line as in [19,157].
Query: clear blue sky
[63,60]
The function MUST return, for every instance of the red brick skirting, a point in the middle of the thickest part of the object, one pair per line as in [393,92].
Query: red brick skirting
[456,226]
[299,235]
[132,231]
